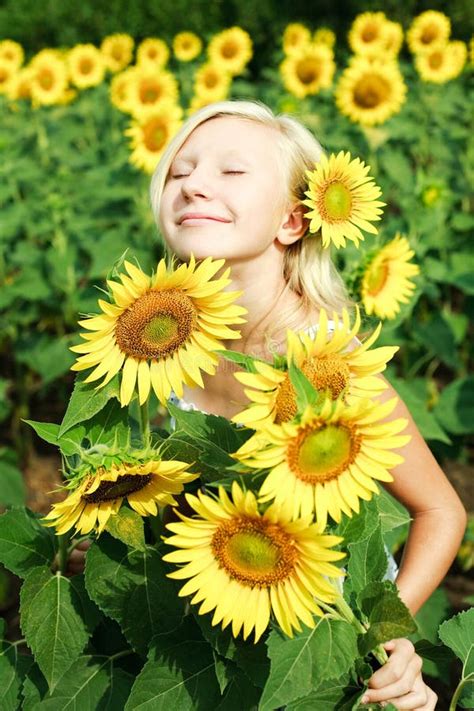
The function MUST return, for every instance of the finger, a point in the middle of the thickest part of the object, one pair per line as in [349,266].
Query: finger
[84,545]
[77,557]
[431,703]
[403,663]
[416,698]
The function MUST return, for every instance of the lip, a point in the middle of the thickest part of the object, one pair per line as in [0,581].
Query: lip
[192,216]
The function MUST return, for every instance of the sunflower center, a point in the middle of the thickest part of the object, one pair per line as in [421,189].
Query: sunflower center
[370,91]
[85,66]
[435,60]
[376,277]
[117,52]
[156,324]
[210,80]
[337,201]
[155,135]
[430,33]
[254,551]
[308,71]
[322,452]
[149,92]
[369,33]
[229,50]
[46,79]
[109,490]
[329,372]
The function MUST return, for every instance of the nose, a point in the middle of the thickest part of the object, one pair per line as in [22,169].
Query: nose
[196,184]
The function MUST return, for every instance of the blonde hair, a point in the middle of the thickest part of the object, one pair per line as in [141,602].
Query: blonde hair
[307,268]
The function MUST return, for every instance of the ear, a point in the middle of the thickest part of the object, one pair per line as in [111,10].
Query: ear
[293,226]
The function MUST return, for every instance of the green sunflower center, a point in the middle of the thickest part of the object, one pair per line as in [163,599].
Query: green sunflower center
[329,372]
[376,277]
[46,79]
[337,201]
[370,91]
[253,551]
[322,452]
[155,134]
[156,324]
[110,490]
[149,92]
[435,60]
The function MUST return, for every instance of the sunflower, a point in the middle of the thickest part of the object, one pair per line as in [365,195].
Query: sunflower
[211,82]
[441,63]
[393,38]
[308,71]
[295,37]
[120,89]
[342,198]
[325,463]
[186,46]
[146,485]
[152,53]
[11,52]
[324,35]
[386,279]
[231,49]
[86,65]
[367,33]
[151,132]
[245,565]
[49,79]
[117,51]
[370,92]
[150,88]
[7,73]
[326,363]
[19,86]
[162,329]
[427,30]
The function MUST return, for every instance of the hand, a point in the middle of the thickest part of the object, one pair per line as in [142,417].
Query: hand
[399,681]
[77,559]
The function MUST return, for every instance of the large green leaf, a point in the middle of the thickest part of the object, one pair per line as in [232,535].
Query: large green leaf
[92,683]
[131,587]
[299,665]
[458,634]
[425,420]
[386,614]
[69,444]
[13,668]
[367,560]
[24,542]
[86,401]
[179,673]
[54,612]
[455,407]
[341,694]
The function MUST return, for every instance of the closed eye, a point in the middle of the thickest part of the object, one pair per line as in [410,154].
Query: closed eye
[233,172]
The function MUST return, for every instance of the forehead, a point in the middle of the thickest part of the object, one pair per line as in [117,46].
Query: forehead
[228,136]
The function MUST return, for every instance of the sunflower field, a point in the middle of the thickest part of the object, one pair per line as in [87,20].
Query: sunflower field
[212,579]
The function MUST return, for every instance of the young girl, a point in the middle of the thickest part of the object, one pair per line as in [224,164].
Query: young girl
[230,186]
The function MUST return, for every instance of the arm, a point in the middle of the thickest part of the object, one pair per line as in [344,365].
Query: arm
[438,516]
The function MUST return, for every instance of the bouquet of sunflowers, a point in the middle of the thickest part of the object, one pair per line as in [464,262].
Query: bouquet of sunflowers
[234,564]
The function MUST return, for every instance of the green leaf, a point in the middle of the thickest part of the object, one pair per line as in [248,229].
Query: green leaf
[12,486]
[425,420]
[388,617]
[436,335]
[131,587]
[341,694]
[109,426]
[86,401]
[458,634]
[179,673]
[24,542]
[239,693]
[299,665]
[391,513]
[455,407]
[367,560]
[245,361]
[52,622]
[35,687]
[69,444]
[92,683]
[128,527]
[306,394]
[13,668]
[210,428]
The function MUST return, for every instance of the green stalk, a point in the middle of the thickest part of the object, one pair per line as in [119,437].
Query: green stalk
[454,701]
[379,652]
[62,556]
[145,424]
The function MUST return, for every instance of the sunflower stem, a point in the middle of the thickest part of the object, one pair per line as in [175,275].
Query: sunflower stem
[145,424]
[62,557]
[348,615]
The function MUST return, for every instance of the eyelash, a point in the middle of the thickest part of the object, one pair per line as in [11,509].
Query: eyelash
[226,172]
